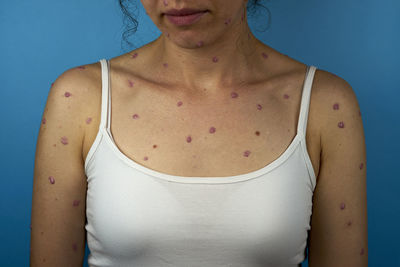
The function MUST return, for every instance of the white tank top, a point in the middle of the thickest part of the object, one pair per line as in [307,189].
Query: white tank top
[137,216]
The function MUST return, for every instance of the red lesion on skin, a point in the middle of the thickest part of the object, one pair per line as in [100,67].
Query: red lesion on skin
[286,96]
[75,247]
[234,95]
[135,116]
[179,103]
[130,83]
[200,43]
[81,67]
[257,133]
[264,55]
[361,166]
[341,124]
[246,153]
[342,206]
[165,65]
[227,21]
[362,251]
[76,203]
[44,121]
[336,106]
[67,94]
[189,139]
[165,2]
[88,120]
[52,180]
[64,140]
[134,55]
[154,146]
[215,59]
[259,107]
[212,130]
[146,158]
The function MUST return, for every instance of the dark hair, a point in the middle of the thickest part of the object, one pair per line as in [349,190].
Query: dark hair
[131,23]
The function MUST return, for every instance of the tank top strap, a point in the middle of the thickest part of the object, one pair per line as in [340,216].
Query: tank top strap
[105,95]
[305,100]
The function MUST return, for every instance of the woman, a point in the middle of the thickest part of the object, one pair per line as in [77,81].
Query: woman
[205,147]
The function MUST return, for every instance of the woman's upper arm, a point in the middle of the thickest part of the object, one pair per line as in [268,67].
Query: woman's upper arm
[338,235]
[59,184]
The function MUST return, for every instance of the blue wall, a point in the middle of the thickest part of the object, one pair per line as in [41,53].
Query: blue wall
[357,40]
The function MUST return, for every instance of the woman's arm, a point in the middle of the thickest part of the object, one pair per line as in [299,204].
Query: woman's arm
[338,235]
[59,185]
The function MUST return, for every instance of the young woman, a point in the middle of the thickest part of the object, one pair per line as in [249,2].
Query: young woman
[204,147]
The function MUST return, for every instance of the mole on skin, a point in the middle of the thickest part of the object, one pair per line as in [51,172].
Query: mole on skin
[146,158]
[257,133]
[135,55]
[200,43]
[362,252]
[44,121]
[67,94]
[341,124]
[52,180]
[75,203]
[189,139]
[165,65]
[361,165]
[215,59]
[154,146]
[179,103]
[64,140]
[88,120]
[259,107]
[349,223]
[285,96]
[212,130]
[342,206]
[246,153]
[74,247]
[135,116]
[227,21]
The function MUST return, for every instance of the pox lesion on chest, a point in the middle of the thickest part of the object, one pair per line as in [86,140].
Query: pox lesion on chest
[223,142]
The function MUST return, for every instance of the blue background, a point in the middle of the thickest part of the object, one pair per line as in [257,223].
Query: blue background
[357,40]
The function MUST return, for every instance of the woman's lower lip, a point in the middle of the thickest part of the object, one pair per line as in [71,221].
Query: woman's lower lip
[185,20]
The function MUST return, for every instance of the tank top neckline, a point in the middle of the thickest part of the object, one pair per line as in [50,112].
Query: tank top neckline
[105,133]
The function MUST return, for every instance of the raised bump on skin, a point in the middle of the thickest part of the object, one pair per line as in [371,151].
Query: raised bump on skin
[234,95]
[52,180]
[154,146]
[165,65]
[135,55]
[227,21]
[257,133]
[130,83]
[361,165]
[212,130]
[165,2]
[54,145]
[286,96]
[246,153]
[336,106]
[179,103]
[145,158]
[75,203]
[259,107]
[215,59]
[362,251]
[64,140]
[264,55]
[349,223]
[189,139]
[88,120]
[135,116]
[342,206]
[341,124]
[200,43]
[75,247]
[81,67]
[44,121]
[67,94]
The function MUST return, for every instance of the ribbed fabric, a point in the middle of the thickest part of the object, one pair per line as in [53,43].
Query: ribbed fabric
[137,216]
